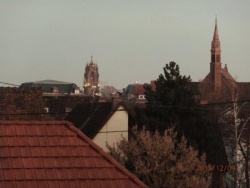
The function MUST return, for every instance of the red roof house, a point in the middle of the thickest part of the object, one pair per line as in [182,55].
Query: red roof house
[56,154]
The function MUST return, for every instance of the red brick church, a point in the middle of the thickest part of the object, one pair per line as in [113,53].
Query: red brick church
[219,85]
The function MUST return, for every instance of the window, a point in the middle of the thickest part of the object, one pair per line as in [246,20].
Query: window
[68,109]
[46,110]
[141,97]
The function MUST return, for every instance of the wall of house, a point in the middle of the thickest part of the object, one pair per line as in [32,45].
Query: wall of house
[114,130]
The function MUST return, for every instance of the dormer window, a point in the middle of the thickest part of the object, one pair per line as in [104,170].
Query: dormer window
[54,90]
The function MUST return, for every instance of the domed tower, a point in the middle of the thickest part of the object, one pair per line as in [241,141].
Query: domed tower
[91,78]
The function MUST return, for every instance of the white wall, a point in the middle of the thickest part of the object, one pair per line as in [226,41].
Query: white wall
[113,130]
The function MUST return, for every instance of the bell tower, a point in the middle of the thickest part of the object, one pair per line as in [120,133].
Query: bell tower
[215,65]
[91,78]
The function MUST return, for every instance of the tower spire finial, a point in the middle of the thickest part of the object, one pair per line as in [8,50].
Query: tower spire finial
[216,35]
[216,19]
[91,60]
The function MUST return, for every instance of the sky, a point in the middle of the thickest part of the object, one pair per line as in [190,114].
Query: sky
[131,40]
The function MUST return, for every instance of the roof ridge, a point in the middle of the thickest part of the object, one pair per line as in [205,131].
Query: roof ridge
[104,154]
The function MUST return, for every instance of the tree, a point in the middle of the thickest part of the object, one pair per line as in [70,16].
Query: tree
[234,122]
[108,90]
[173,102]
[161,161]
[172,88]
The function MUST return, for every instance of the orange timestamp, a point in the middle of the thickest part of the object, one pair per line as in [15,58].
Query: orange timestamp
[217,168]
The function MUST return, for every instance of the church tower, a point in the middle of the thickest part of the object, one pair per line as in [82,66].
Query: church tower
[91,78]
[215,65]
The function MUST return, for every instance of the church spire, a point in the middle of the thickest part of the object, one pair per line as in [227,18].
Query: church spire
[215,65]
[216,40]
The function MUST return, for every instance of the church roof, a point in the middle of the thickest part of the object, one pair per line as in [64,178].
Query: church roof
[56,154]
[227,75]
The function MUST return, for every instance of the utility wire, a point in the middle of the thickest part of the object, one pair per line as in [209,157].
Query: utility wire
[147,107]
[9,84]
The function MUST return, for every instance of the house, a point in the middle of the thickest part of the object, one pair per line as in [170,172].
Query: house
[53,87]
[56,154]
[134,93]
[103,122]
[59,97]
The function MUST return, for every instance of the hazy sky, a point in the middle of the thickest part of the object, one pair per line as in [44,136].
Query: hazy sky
[131,40]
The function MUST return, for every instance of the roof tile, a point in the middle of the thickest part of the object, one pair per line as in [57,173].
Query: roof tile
[23,141]
[9,184]
[17,162]
[49,162]
[6,163]
[51,173]
[19,174]
[21,184]
[40,174]
[25,151]
[8,174]
[63,184]
[38,154]
[4,140]
[42,184]
[32,184]
[21,131]
[30,174]
[43,141]
[38,162]
[33,141]
[10,130]
[74,183]
[54,140]
[40,130]
[4,152]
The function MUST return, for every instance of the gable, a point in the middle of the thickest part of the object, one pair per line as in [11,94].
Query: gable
[114,130]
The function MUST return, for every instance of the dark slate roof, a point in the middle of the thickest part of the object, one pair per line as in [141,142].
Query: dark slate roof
[91,117]
[56,154]
[47,85]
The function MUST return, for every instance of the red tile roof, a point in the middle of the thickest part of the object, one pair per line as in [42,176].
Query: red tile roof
[56,154]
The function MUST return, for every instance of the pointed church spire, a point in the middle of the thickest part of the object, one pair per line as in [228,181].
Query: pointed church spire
[216,40]
[215,65]
[216,35]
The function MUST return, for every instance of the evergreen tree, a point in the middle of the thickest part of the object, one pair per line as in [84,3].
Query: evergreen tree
[172,102]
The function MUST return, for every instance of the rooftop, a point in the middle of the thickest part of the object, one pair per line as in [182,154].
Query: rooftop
[56,154]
